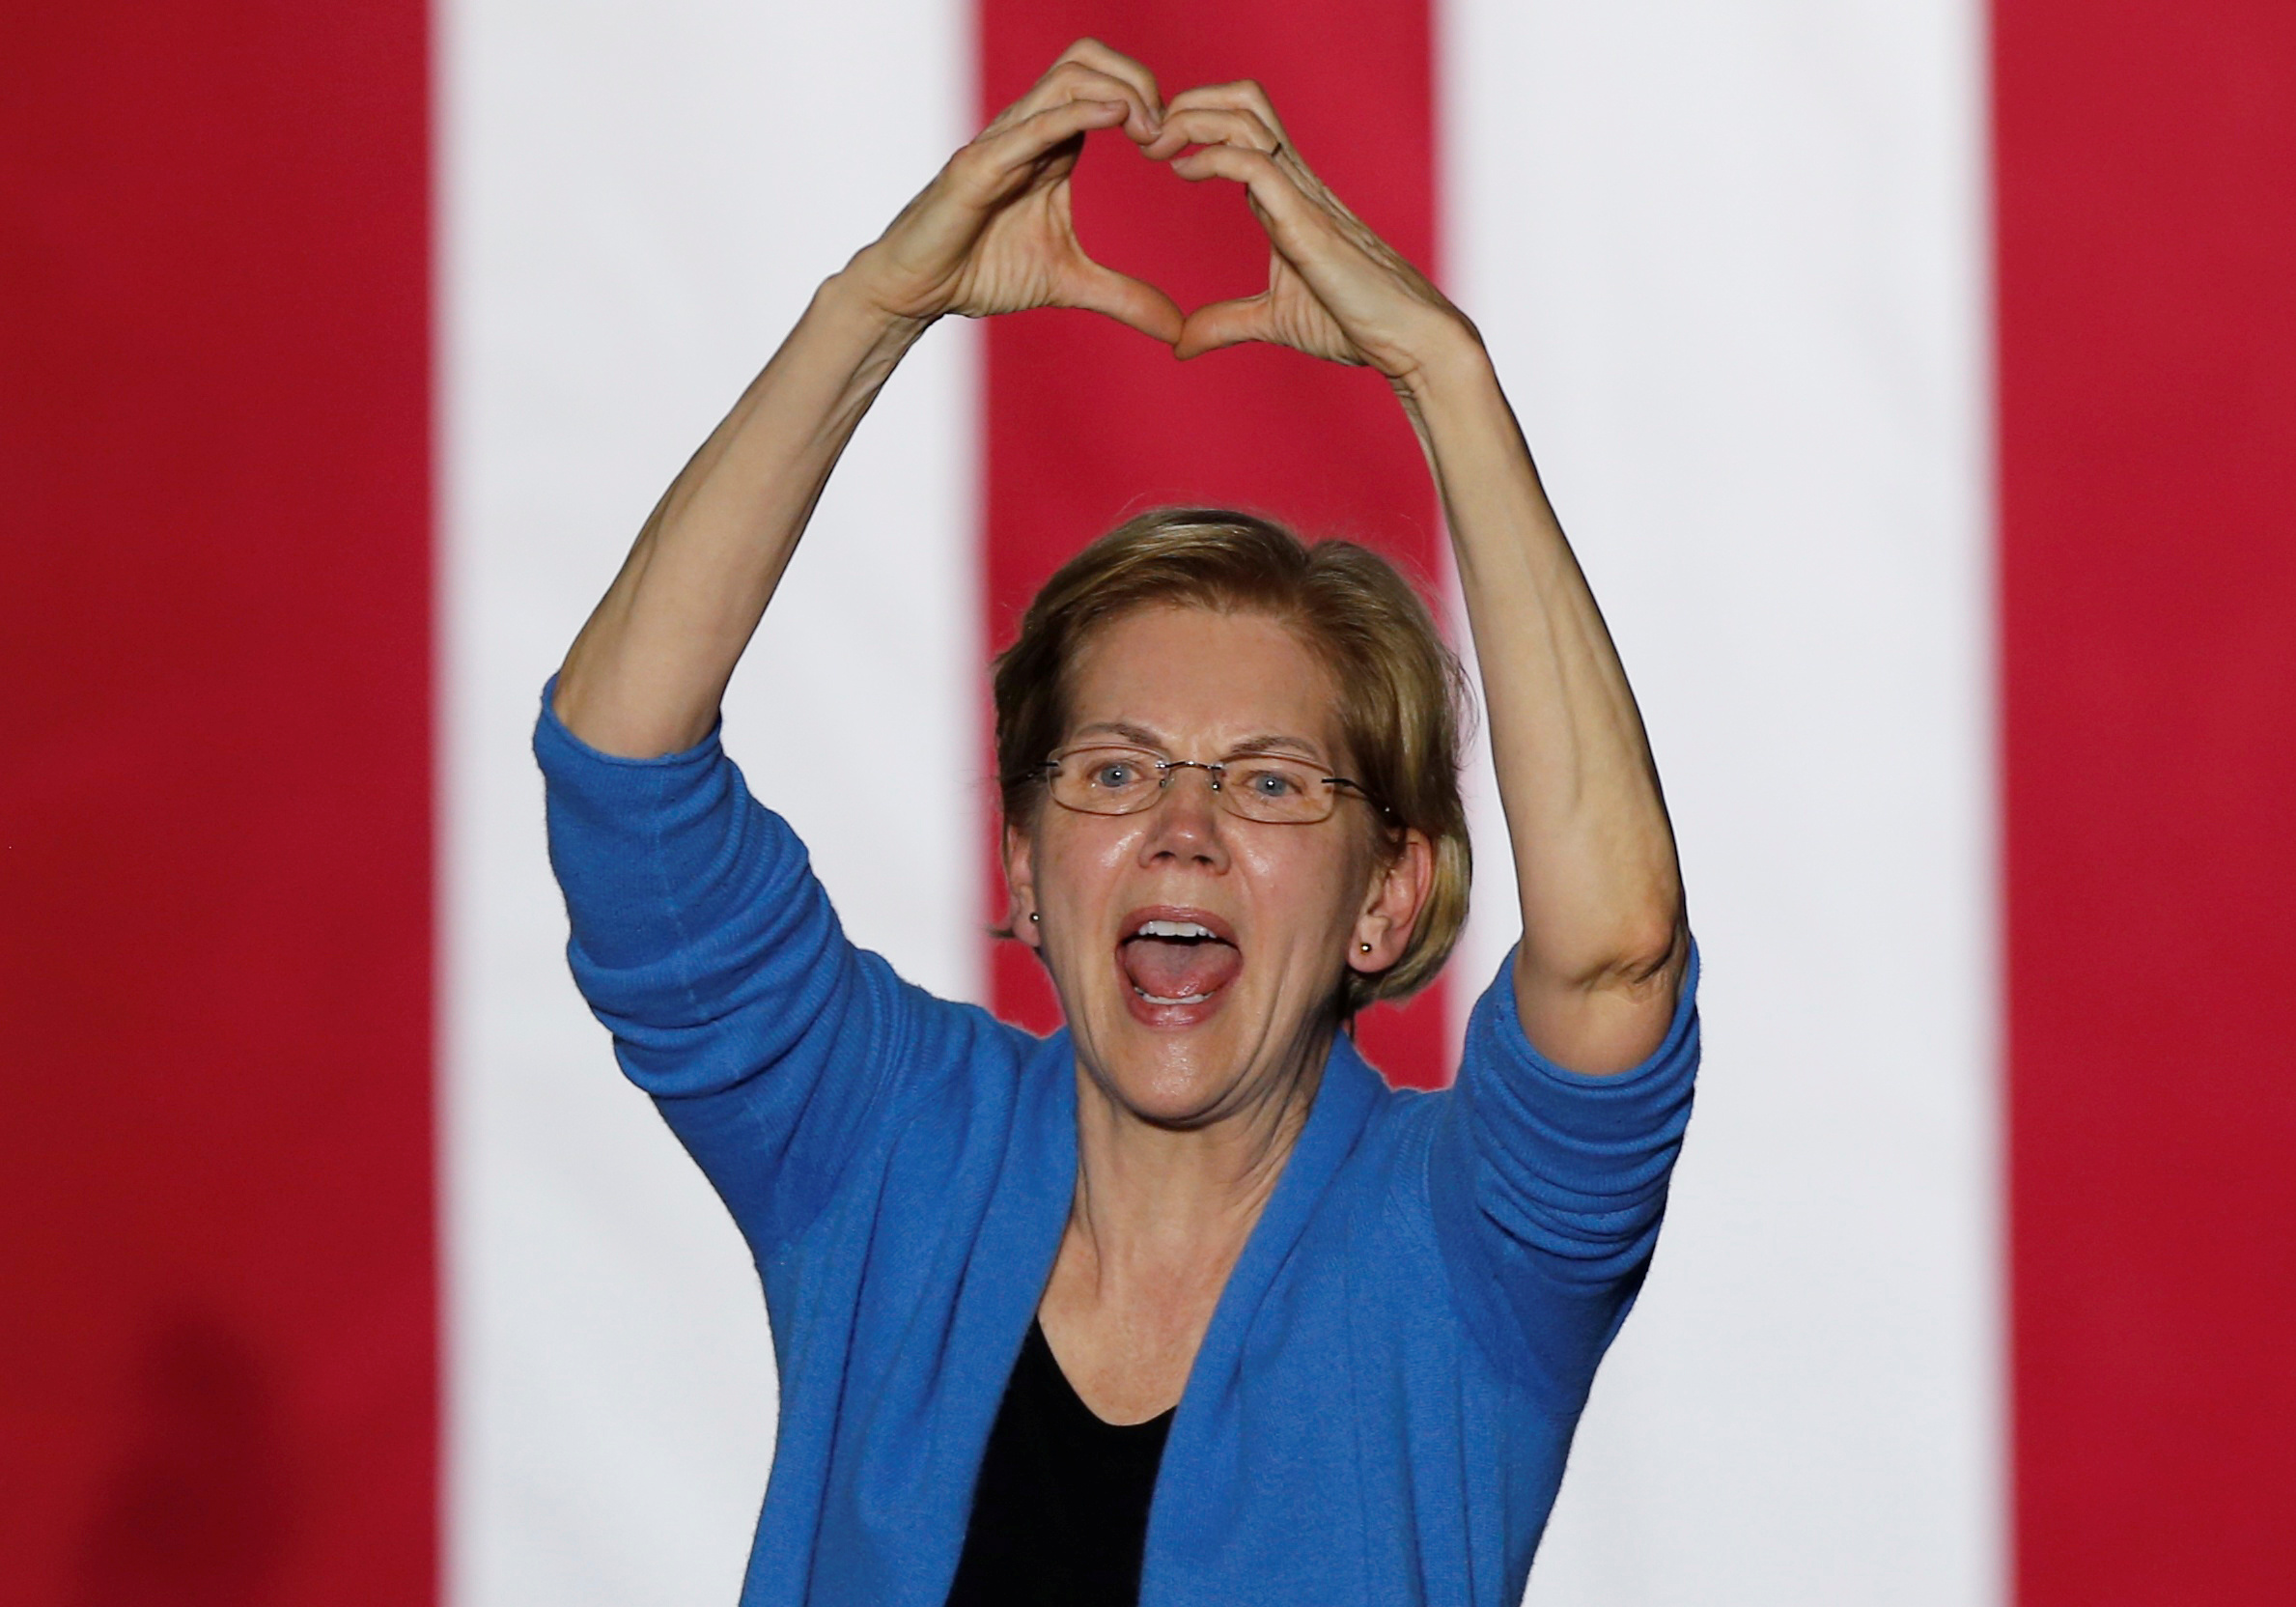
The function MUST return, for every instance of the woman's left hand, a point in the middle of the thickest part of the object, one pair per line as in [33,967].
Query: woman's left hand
[1335,290]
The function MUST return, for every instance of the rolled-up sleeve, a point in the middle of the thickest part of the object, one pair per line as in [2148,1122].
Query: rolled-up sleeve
[1548,1187]
[701,939]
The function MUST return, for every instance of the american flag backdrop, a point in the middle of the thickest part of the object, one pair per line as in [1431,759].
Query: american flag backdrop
[1917,381]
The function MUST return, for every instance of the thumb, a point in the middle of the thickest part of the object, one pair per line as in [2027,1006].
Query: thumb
[1124,299]
[1219,323]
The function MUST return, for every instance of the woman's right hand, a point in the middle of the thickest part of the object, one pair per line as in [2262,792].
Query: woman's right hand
[994,233]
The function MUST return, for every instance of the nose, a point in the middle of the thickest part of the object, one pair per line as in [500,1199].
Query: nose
[1184,821]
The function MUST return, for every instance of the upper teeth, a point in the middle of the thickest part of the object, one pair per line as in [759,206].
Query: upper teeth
[1172,929]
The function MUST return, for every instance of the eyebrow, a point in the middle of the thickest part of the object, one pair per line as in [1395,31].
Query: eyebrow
[1270,742]
[1137,735]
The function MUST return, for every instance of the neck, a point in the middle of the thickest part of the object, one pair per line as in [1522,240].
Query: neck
[1158,1204]
[1159,1216]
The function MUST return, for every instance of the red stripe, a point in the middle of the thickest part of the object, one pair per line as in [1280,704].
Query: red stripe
[214,870]
[2147,249]
[1088,422]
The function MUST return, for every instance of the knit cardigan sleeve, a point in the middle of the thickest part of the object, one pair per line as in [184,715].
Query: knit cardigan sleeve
[702,940]
[1548,1187]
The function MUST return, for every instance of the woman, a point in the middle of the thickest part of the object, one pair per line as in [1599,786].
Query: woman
[1180,1303]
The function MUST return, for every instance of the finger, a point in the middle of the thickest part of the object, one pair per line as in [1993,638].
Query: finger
[1075,81]
[1117,65]
[1219,323]
[1210,126]
[1124,299]
[989,162]
[1244,94]
[1292,220]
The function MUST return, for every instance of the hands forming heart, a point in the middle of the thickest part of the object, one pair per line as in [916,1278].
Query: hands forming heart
[994,231]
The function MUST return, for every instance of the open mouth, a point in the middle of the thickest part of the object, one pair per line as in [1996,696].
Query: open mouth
[1177,960]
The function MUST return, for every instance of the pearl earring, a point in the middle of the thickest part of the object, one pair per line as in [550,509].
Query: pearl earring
[1365,946]
[1033,917]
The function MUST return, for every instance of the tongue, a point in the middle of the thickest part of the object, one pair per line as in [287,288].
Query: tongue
[1163,968]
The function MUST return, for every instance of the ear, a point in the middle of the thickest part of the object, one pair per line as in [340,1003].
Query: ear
[1392,905]
[1020,882]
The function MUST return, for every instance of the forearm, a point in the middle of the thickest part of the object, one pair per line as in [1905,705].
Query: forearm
[1603,927]
[647,672]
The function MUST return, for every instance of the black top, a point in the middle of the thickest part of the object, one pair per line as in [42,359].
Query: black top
[1060,1511]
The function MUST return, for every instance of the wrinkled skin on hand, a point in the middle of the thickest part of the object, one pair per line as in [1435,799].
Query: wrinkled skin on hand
[996,231]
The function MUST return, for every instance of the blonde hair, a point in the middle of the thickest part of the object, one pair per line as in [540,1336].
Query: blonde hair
[1404,708]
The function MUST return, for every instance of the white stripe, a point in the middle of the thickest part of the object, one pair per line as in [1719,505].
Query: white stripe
[639,200]
[1732,260]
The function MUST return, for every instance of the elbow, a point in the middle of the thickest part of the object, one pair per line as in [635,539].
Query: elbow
[1649,954]
[1632,959]
[1605,1009]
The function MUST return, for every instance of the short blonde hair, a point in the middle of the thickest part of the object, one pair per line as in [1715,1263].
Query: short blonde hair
[1404,708]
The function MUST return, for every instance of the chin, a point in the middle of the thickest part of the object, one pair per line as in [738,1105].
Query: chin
[1170,1085]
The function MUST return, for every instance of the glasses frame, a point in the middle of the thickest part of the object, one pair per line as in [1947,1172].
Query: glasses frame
[1215,771]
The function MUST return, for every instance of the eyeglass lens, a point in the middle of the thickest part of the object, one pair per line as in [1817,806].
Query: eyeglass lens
[1259,786]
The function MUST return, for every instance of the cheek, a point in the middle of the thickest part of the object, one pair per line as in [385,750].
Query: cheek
[1075,866]
[1307,890]
[1302,885]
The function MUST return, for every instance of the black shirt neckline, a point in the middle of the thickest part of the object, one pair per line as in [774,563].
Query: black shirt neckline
[1036,1352]
[1060,1505]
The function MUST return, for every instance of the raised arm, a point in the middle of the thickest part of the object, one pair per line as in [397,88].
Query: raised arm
[991,234]
[1605,942]
[1605,936]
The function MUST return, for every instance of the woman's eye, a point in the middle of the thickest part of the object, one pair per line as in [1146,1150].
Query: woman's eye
[1112,777]
[1273,783]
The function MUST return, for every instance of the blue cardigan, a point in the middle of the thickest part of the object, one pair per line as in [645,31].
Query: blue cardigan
[1380,1410]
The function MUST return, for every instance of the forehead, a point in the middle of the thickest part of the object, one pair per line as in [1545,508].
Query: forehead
[1193,676]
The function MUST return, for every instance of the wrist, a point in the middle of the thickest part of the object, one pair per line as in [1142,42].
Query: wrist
[1448,360]
[851,298]
[845,316]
